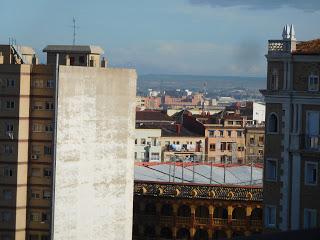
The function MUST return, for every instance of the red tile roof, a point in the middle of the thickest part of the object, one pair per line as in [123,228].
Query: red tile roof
[152,115]
[311,47]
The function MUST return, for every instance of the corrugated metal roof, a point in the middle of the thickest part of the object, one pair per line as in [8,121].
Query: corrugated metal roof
[234,174]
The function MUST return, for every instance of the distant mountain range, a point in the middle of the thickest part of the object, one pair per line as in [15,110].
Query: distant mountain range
[196,83]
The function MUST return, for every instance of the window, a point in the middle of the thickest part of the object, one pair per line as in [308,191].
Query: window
[223,146]
[7,194]
[135,155]
[212,147]
[8,172]
[10,83]
[270,216]
[45,237]
[50,84]
[274,80]
[313,83]
[310,218]
[35,194]
[49,106]
[9,127]
[34,217]
[46,195]
[37,84]
[261,139]
[5,237]
[252,142]
[47,150]
[37,106]
[45,217]
[5,216]
[211,133]
[221,133]
[49,128]
[239,133]
[271,170]
[155,157]
[35,172]
[8,149]
[47,172]
[10,104]
[81,60]
[311,172]
[33,237]
[273,123]
[37,127]
[136,141]
[143,141]
[230,122]
[36,149]
[229,133]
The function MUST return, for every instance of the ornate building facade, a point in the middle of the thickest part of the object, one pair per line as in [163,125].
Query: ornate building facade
[195,211]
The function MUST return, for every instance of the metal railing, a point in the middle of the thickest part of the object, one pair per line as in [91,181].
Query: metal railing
[311,142]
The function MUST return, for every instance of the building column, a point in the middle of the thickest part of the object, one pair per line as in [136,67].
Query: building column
[211,212]
[210,233]
[193,215]
[248,215]
[174,232]
[230,210]
[192,233]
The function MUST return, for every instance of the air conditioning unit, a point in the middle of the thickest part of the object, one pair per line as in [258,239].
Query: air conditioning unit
[34,157]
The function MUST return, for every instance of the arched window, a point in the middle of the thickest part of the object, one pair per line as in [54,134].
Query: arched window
[274,81]
[273,123]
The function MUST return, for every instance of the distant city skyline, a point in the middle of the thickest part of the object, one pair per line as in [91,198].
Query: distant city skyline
[199,37]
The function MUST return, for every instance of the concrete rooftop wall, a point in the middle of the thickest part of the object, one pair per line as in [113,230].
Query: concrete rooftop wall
[95,153]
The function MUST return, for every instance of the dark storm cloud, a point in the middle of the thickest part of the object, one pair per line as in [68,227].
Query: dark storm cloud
[307,5]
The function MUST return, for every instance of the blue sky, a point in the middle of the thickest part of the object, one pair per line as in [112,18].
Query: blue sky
[200,37]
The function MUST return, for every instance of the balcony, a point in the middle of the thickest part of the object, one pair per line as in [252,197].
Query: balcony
[238,222]
[310,143]
[278,46]
[220,221]
[202,221]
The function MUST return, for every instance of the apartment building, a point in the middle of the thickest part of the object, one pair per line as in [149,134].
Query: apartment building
[292,150]
[56,120]
[147,143]
[225,134]
[254,143]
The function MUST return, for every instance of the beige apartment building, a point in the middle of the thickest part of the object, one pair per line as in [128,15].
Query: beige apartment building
[58,150]
[254,143]
[292,146]
[225,138]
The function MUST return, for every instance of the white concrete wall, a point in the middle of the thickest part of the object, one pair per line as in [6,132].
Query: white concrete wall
[259,112]
[95,154]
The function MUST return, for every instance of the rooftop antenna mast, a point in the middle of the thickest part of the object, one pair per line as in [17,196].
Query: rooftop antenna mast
[74,26]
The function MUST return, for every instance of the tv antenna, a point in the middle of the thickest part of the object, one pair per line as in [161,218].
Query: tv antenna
[75,27]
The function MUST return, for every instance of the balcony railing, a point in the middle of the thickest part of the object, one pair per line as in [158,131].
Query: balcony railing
[220,221]
[312,142]
[238,222]
[183,220]
[278,46]
[202,220]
